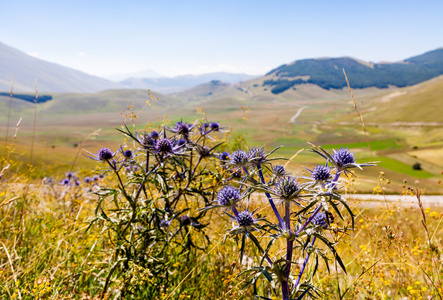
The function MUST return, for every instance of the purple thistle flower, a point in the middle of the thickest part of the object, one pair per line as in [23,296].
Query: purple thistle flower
[214,126]
[287,188]
[239,158]
[66,181]
[343,157]
[182,128]
[279,171]
[96,178]
[146,141]
[185,220]
[257,156]
[101,176]
[154,135]
[181,142]
[77,182]
[321,173]
[127,153]
[69,175]
[164,146]
[228,196]
[88,180]
[224,156]
[245,219]
[320,219]
[105,154]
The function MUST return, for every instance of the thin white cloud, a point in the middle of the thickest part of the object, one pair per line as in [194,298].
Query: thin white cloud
[82,53]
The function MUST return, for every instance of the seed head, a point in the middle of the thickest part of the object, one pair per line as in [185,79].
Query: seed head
[343,157]
[105,154]
[321,173]
[228,196]
[245,219]
[286,188]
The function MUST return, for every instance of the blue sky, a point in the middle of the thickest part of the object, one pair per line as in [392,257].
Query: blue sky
[183,37]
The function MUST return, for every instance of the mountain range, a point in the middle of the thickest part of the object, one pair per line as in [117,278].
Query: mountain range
[322,73]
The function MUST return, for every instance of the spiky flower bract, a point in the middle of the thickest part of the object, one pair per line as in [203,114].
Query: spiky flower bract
[321,173]
[279,171]
[182,128]
[245,219]
[228,196]
[343,157]
[287,188]
[127,153]
[239,158]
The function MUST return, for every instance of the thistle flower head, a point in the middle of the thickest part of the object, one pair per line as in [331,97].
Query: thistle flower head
[164,146]
[228,196]
[239,158]
[88,180]
[154,135]
[245,219]
[181,142]
[321,173]
[279,171]
[257,156]
[214,126]
[224,156]
[96,178]
[185,220]
[343,157]
[321,219]
[127,153]
[182,128]
[105,154]
[147,141]
[70,175]
[287,188]
[66,181]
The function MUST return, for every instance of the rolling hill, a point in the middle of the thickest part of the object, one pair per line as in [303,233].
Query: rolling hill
[50,77]
[327,73]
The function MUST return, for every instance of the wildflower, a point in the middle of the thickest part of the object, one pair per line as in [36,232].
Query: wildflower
[88,180]
[181,142]
[343,157]
[287,188]
[279,171]
[127,153]
[70,175]
[181,128]
[224,156]
[154,135]
[239,158]
[185,220]
[164,146]
[228,196]
[321,219]
[214,126]
[146,141]
[66,181]
[257,156]
[245,219]
[321,173]
[96,178]
[105,154]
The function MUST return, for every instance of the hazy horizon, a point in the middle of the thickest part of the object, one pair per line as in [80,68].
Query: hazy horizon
[106,38]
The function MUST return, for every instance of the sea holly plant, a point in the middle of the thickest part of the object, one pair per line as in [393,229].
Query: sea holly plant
[308,206]
[152,216]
